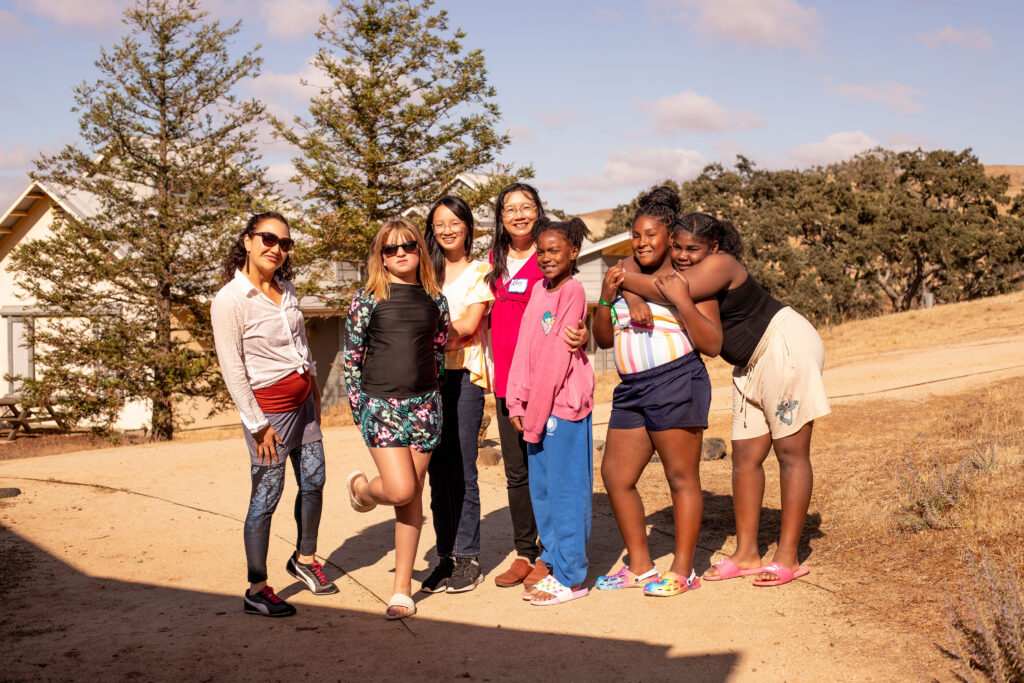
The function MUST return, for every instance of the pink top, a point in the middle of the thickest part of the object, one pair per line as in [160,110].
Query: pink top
[510,299]
[544,379]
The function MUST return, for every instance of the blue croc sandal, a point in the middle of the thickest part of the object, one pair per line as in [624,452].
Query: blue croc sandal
[626,579]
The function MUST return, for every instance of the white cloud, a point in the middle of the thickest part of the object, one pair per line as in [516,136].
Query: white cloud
[560,118]
[94,14]
[691,111]
[293,19]
[638,167]
[521,133]
[753,23]
[18,157]
[835,147]
[11,27]
[286,93]
[896,96]
[971,39]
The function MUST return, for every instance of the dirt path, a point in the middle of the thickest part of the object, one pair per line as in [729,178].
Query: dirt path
[127,563]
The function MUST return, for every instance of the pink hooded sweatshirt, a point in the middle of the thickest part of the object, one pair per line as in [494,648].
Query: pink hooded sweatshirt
[545,379]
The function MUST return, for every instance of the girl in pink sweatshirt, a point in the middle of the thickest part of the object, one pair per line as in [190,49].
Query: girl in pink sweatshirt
[550,398]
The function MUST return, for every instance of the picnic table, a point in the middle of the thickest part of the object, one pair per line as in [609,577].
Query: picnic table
[17,415]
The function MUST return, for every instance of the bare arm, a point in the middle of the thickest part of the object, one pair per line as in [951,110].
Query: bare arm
[638,285]
[604,335]
[701,318]
[469,323]
[716,273]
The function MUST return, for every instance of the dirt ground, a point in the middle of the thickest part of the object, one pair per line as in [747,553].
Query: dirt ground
[127,562]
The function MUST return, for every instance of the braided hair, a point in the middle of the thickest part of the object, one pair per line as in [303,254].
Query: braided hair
[574,231]
[662,204]
[712,230]
[237,255]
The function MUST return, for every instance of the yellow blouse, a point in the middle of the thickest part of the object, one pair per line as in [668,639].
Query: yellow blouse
[474,352]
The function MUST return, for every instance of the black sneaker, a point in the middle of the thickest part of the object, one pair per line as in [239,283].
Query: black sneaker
[437,582]
[267,604]
[467,575]
[312,575]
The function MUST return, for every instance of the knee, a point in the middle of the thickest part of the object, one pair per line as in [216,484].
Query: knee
[792,458]
[400,493]
[680,480]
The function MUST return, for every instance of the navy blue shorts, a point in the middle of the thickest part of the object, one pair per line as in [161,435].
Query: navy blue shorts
[676,395]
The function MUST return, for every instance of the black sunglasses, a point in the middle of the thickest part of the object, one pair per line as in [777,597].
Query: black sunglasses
[409,247]
[270,239]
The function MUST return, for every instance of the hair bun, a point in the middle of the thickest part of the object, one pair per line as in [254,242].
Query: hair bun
[663,196]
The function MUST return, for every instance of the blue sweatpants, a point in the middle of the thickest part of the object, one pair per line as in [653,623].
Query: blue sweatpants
[561,489]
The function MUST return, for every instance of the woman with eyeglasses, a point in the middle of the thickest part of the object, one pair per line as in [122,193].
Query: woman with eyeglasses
[269,371]
[454,492]
[514,271]
[395,336]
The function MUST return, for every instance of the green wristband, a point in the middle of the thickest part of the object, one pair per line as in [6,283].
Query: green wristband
[605,303]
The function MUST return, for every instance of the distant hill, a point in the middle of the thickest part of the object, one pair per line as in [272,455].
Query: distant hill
[1016,174]
[598,220]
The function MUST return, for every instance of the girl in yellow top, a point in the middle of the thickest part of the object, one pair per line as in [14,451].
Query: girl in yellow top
[454,493]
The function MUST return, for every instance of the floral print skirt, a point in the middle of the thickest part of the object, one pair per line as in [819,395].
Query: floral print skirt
[395,422]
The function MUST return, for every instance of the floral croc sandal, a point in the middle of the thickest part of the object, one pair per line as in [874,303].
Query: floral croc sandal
[626,579]
[671,584]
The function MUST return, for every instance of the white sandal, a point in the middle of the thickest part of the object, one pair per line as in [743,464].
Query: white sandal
[399,600]
[356,505]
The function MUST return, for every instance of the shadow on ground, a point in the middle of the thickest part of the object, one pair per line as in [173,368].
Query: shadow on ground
[111,629]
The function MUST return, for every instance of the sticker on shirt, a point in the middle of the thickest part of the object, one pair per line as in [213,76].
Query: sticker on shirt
[517,285]
[552,425]
[547,322]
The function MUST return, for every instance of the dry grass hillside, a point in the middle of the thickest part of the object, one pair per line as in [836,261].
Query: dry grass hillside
[1016,174]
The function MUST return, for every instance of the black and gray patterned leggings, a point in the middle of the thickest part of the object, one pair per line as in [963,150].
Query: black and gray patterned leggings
[267,485]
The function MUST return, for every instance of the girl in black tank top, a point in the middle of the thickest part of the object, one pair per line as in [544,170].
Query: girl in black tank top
[707,255]
[395,335]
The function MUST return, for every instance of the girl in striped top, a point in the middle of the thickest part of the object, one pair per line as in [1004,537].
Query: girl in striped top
[662,403]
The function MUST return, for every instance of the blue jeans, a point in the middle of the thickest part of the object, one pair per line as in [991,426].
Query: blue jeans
[454,492]
[562,488]
[267,485]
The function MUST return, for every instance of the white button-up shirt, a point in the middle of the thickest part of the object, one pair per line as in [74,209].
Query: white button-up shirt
[258,342]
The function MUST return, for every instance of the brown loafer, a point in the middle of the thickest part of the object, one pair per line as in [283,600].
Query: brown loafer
[514,575]
[540,570]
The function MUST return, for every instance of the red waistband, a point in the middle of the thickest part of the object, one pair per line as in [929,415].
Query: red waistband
[286,394]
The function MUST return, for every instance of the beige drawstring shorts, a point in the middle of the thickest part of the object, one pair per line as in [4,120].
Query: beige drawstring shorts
[780,390]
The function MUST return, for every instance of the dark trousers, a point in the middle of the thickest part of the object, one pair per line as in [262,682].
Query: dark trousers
[454,491]
[267,485]
[517,478]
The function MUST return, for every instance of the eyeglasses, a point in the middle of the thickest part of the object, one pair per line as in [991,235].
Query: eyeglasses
[453,226]
[270,239]
[522,210]
[409,247]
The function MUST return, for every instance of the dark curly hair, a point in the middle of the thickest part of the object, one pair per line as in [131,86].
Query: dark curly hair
[661,204]
[711,230]
[235,260]
[575,231]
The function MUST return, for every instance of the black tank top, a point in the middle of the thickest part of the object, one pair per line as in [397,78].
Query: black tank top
[745,313]
[400,360]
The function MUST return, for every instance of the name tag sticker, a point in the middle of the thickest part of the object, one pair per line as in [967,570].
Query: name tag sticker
[517,285]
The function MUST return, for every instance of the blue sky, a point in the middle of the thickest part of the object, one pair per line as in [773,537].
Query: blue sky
[606,98]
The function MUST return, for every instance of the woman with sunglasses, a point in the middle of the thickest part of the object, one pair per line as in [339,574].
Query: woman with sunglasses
[269,371]
[514,272]
[395,336]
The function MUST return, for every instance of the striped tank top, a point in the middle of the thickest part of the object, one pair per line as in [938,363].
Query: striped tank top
[643,348]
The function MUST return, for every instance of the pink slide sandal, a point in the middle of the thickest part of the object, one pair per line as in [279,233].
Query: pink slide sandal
[560,593]
[727,569]
[784,573]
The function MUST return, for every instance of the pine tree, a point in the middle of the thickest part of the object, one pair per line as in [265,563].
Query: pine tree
[406,111]
[167,157]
